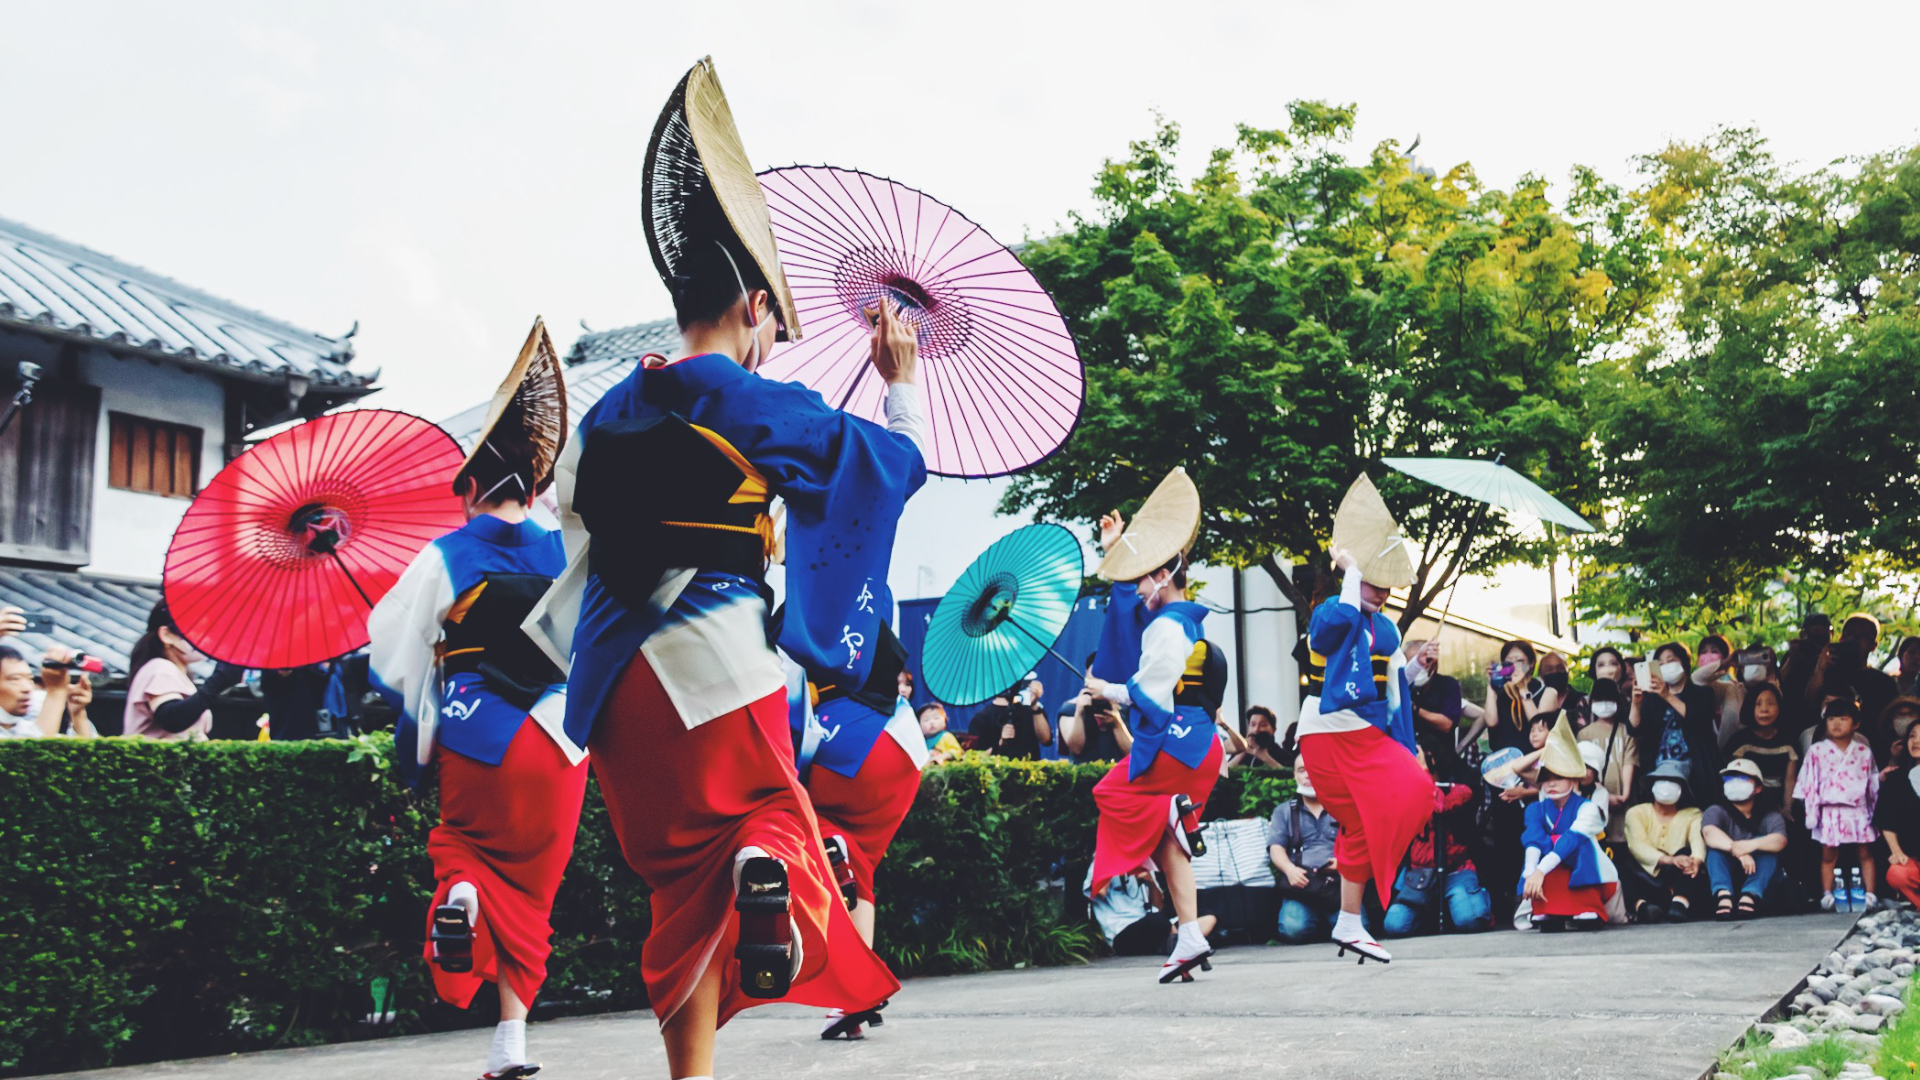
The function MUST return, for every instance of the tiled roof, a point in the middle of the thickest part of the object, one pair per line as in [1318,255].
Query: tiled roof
[102,616]
[62,289]
[597,362]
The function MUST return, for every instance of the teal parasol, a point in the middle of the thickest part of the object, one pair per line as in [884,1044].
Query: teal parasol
[1004,613]
[1492,483]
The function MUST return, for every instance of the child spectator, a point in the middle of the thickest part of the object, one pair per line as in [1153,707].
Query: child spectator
[1839,787]
[1897,816]
[1568,879]
[1669,851]
[1439,866]
[1762,741]
[942,747]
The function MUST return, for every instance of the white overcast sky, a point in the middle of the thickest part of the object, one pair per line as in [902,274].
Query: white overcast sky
[443,171]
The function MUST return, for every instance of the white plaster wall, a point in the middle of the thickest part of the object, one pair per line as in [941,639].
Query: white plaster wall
[131,530]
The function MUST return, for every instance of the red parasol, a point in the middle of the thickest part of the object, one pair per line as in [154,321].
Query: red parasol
[279,560]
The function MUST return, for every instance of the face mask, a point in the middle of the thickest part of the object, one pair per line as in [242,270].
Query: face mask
[1672,672]
[1605,710]
[1666,792]
[1737,790]
[1556,796]
[1421,675]
[1305,791]
[1753,672]
[1557,680]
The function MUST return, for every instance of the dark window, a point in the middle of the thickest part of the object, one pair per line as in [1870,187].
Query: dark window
[152,456]
[46,474]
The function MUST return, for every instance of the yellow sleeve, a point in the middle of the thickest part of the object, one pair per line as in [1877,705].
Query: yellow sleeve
[1640,838]
[1696,836]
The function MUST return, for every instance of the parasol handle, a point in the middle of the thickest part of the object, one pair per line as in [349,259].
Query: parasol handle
[1071,667]
[349,574]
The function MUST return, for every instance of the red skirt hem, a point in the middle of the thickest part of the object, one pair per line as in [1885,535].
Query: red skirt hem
[868,808]
[1133,813]
[1378,793]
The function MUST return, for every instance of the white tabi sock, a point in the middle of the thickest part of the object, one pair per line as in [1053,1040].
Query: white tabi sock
[464,894]
[1349,927]
[509,1045]
[1191,939]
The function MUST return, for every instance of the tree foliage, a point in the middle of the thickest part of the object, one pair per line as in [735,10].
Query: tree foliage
[1291,316]
[1765,429]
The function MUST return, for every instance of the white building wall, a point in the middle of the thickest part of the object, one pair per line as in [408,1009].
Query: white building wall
[131,530]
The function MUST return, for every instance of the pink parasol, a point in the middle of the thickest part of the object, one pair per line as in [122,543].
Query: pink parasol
[1002,375]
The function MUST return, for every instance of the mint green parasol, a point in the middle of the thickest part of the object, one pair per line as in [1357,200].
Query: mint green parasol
[1492,483]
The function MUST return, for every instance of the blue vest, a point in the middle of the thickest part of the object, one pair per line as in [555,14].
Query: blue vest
[1185,733]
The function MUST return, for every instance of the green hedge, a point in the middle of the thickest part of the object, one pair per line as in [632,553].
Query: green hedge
[170,900]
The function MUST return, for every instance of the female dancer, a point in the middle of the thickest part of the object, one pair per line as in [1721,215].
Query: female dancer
[1150,802]
[664,611]
[860,757]
[1359,744]
[477,697]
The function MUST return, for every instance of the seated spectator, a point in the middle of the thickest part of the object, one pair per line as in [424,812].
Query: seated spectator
[1619,754]
[1567,881]
[1133,915]
[1665,876]
[1898,818]
[1439,868]
[1437,708]
[1895,722]
[1676,720]
[1014,724]
[1262,738]
[1095,730]
[64,702]
[1762,741]
[942,747]
[1300,840]
[1743,844]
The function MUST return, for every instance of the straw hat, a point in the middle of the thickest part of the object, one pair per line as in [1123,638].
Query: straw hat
[1561,755]
[1364,526]
[1165,526]
[698,186]
[531,402]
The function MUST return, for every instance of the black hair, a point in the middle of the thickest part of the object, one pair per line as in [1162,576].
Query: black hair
[150,647]
[1686,658]
[711,274]
[8,652]
[503,469]
[1754,690]
[1177,564]
[1533,658]
[1715,639]
[1263,711]
[1860,619]
[1605,690]
[1907,643]
[1618,657]
[1842,707]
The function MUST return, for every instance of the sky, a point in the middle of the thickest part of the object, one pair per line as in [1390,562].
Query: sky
[442,172]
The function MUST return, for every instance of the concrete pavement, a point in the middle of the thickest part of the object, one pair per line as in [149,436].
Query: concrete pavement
[1633,1004]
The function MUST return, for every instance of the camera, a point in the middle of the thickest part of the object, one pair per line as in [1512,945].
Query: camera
[80,662]
[29,371]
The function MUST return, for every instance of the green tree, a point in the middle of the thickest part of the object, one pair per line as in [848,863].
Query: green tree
[1765,429]
[1291,316]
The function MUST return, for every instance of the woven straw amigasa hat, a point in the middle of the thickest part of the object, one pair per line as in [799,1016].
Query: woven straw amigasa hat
[1561,755]
[531,402]
[1165,526]
[698,186]
[1364,526]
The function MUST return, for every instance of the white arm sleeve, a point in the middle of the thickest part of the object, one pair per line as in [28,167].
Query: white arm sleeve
[1549,864]
[1350,588]
[551,623]
[1533,861]
[1164,649]
[907,414]
[403,630]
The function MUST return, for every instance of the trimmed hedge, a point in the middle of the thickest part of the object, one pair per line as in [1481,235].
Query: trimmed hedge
[170,900]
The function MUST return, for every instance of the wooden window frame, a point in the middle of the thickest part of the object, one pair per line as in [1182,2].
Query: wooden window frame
[133,455]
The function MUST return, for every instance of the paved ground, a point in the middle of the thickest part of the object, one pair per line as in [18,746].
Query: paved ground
[1634,1004]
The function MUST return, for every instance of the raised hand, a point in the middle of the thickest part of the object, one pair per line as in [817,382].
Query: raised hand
[895,348]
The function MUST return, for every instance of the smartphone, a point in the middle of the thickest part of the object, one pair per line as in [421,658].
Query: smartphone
[1643,675]
[38,623]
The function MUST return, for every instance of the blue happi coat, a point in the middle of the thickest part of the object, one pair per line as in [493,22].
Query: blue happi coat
[1550,829]
[1362,672]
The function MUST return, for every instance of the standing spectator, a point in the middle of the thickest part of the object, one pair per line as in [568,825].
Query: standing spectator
[1873,688]
[1839,787]
[1897,816]
[1605,663]
[942,747]
[1897,720]
[1263,743]
[1762,741]
[1555,674]
[162,702]
[1676,719]
[1300,838]
[1805,655]
[1437,708]
[1015,724]
[1619,754]
[1663,878]
[1514,697]
[1743,844]
[1094,730]
[1909,676]
[1757,664]
[1712,670]
[1439,869]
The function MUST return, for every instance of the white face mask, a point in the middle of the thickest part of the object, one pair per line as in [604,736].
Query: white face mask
[1672,672]
[1753,672]
[1737,789]
[1556,796]
[1666,792]
[1421,674]
[1605,710]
